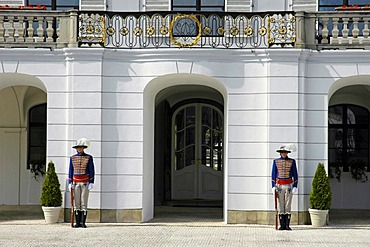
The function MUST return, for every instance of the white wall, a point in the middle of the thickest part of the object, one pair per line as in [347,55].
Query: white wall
[273,96]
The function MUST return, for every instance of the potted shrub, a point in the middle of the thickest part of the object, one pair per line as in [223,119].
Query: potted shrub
[51,195]
[320,197]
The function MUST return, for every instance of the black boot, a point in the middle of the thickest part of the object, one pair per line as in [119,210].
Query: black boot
[83,219]
[287,222]
[78,218]
[282,222]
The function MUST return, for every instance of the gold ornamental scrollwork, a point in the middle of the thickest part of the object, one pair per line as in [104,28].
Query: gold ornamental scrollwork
[150,31]
[248,31]
[164,30]
[124,31]
[220,31]
[185,16]
[207,30]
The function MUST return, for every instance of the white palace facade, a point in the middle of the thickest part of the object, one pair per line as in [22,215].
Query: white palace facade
[185,102]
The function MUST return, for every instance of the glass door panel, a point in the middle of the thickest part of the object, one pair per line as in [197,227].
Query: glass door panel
[198,135]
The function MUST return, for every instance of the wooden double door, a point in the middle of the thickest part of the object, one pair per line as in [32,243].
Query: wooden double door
[197,153]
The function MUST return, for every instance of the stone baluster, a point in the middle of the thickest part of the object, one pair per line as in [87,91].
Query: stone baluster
[49,29]
[30,29]
[345,31]
[335,31]
[40,29]
[2,30]
[365,32]
[20,29]
[355,31]
[11,29]
[325,31]
[58,19]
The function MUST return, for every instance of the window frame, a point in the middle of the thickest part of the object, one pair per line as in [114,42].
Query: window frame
[54,6]
[333,6]
[31,126]
[344,159]
[198,6]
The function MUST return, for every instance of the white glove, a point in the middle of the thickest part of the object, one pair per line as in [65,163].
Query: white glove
[71,187]
[91,186]
[294,190]
[273,189]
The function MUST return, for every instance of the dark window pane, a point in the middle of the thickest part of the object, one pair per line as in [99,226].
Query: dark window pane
[206,116]
[184,2]
[331,2]
[198,5]
[357,115]
[179,125]
[335,115]
[212,2]
[358,2]
[190,117]
[58,4]
[190,156]
[37,135]
[359,137]
[212,9]
[67,2]
[349,139]
[38,115]
[335,156]
[335,138]
[39,2]
[190,136]
[327,9]
[180,140]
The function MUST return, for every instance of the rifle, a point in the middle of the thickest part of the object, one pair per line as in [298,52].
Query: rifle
[72,207]
[276,211]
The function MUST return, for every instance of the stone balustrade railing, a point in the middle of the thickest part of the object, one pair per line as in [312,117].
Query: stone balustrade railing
[333,30]
[38,28]
[58,29]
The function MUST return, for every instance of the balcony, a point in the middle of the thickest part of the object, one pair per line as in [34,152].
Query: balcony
[58,29]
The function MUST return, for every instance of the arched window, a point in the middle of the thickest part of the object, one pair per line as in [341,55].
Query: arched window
[348,136]
[36,136]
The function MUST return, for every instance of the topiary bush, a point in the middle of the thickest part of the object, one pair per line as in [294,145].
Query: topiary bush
[51,195]
[320,197]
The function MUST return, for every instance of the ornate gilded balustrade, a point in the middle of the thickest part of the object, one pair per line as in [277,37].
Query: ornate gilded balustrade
[57,29]
[198,30]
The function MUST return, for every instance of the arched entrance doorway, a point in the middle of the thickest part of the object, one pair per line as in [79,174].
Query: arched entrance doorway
[22,111]
[189,145]
[160,96]
[349,149]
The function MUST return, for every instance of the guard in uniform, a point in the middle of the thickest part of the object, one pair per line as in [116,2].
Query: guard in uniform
[81,180]
[284,180]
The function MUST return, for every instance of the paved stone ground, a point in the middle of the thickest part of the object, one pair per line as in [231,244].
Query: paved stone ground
[184,230]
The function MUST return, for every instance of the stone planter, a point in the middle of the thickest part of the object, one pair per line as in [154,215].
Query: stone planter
[318,217]
[51,214]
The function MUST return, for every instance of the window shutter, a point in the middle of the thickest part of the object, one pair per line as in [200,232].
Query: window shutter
[98,5]
[158,5]
[238,6]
